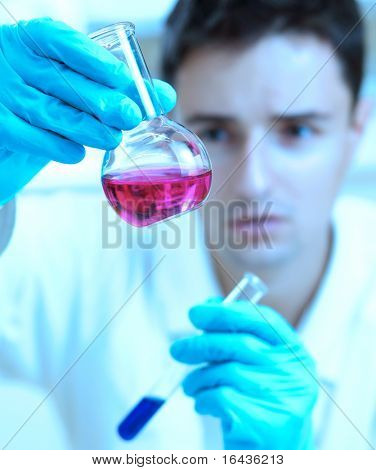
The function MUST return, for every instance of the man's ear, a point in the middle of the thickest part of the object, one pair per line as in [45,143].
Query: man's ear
[360,118]
[362,112]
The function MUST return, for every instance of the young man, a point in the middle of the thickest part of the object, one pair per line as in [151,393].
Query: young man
[98,322]
[273,91]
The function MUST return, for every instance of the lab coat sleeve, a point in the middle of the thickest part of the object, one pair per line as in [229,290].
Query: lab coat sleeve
[29,420]
[54,302]
[30,358]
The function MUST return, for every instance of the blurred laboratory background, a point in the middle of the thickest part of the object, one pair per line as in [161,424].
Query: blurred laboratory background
[149,17]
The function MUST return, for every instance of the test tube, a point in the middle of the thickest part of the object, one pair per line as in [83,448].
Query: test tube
[249,288]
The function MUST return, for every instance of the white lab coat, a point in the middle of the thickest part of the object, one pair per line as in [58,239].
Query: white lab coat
[94,324]
[339,329]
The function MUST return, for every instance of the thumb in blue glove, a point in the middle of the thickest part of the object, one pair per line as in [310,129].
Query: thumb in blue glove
[59,92]
[258,379]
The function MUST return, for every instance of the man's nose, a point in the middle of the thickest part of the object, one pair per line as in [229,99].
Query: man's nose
[253,181]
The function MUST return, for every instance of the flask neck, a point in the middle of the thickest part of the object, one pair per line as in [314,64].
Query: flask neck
[143,91]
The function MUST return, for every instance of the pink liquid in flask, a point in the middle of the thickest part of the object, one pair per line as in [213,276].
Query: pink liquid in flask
[143,196]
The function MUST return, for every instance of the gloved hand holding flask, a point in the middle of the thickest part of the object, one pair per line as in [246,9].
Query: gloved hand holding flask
[59,92]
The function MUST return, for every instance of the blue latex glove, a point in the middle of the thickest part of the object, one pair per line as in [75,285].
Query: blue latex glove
[59,91]
[259,380]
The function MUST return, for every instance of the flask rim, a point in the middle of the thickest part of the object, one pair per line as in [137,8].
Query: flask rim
[107,32]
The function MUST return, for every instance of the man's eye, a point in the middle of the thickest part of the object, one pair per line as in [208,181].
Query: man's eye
[297,131]
[214,135]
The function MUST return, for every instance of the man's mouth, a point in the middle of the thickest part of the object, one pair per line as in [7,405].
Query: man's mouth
[257,226]
[255,220]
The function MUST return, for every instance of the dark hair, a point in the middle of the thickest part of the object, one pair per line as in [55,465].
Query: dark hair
[194,23]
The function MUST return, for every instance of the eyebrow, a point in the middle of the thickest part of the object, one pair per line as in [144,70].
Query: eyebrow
[220,119]
[198,118]
[309,116]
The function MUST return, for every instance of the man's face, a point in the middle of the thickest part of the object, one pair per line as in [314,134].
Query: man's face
[279,129]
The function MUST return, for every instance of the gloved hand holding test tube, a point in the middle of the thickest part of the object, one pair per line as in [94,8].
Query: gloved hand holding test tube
[249,288]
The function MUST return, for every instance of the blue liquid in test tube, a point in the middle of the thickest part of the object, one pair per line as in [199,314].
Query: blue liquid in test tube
[138,417]
[250,288]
